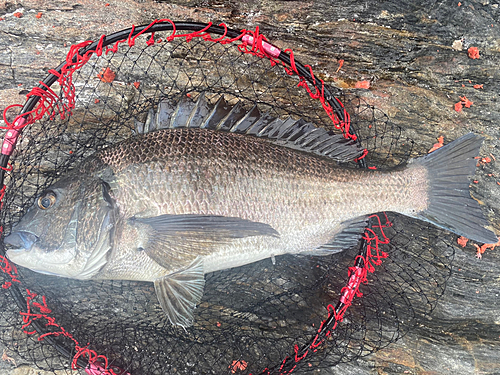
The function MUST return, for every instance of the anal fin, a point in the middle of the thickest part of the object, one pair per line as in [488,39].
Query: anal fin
[349,236]
[180,292]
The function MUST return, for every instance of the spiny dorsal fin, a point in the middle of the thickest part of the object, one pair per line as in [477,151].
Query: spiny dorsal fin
[182,114]
[199,113]
[246,121]
[219,111]
[295,134]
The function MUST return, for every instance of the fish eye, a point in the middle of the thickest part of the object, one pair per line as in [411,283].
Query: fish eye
[46,201]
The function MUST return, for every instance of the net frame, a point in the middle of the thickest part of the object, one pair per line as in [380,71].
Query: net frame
[42,100]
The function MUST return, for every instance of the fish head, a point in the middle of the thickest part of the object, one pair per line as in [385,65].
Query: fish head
[66,232]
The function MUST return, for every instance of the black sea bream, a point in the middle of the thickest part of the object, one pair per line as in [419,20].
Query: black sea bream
[201,189]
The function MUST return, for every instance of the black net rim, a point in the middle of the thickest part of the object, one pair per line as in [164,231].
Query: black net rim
[362,260]
[167,25]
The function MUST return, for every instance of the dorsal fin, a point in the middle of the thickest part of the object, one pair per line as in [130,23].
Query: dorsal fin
[291,133]
[219,111]
[248,120]
[199,113]
[182,114]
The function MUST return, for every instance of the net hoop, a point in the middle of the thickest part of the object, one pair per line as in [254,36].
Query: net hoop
[42,100]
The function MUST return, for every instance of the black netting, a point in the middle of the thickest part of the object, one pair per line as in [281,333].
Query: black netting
[251,316]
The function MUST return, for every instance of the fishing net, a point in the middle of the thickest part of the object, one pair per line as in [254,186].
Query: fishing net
[301,312]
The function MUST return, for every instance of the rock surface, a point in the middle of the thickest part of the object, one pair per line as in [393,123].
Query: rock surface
[414,55]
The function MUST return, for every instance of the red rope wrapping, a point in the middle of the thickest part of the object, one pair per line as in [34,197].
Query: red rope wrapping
[252,42]
[7,267]
[39,311]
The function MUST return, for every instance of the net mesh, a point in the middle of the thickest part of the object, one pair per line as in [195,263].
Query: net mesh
[262,317]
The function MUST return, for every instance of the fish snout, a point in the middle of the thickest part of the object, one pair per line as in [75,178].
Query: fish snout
[21,240]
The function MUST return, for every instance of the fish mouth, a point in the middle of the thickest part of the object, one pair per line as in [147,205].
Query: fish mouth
[22,249]
[21,241]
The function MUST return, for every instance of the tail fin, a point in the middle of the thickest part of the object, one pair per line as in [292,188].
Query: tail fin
[450,204]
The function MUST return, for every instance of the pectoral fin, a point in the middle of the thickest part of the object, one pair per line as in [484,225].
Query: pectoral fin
[180,292]
[220,226]
[194,235]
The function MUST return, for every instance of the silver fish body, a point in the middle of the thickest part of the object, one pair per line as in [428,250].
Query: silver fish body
[304,199]
[170,205]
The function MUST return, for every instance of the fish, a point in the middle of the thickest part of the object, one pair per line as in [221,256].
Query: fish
[205,186]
